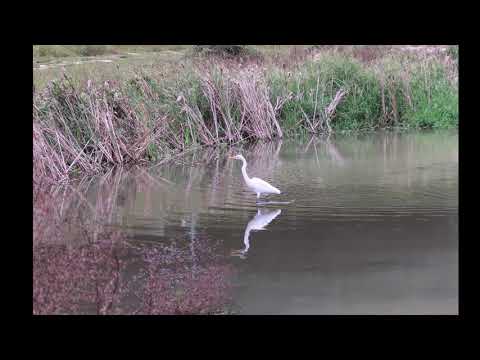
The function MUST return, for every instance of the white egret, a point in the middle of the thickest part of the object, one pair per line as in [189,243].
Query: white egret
[257,185]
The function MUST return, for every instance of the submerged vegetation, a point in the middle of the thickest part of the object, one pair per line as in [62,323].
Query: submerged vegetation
[84,126]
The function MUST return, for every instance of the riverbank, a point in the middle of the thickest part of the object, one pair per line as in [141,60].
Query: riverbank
[84,125]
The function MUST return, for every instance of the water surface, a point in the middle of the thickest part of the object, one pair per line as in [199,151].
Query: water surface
[365,224]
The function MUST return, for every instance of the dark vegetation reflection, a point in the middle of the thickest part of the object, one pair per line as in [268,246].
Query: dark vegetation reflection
[84,263]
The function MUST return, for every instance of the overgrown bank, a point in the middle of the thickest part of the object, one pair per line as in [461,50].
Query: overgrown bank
[86,127]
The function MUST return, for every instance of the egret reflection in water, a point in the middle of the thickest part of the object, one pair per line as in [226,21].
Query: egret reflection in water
[259,222]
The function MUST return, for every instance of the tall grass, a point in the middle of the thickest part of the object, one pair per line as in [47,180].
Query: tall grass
[86,127]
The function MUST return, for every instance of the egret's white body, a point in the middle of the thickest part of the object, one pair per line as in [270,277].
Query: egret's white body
[259,222]
[257,185]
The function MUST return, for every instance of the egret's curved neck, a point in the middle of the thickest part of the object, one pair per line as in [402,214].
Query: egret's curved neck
[244,170]
[246,239]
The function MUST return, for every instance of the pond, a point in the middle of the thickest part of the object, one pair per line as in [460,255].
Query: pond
[365,224]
